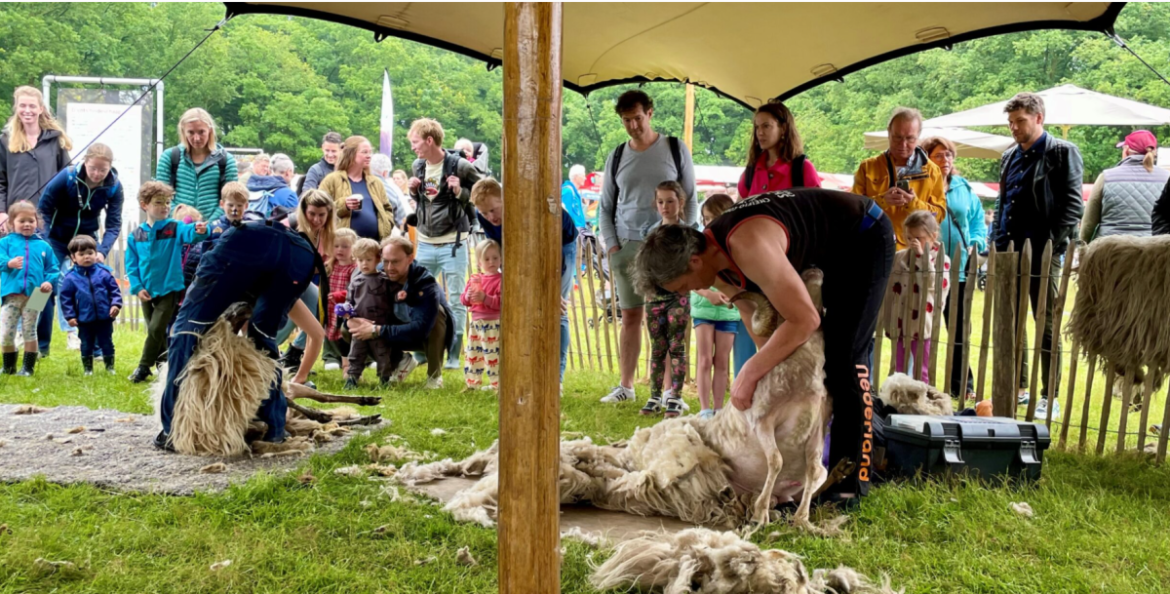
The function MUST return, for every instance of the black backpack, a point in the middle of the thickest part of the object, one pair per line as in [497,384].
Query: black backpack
[611,175]
[176,155]
[797,173]
[459,212]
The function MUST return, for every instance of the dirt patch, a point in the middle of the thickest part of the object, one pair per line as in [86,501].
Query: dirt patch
[112,449]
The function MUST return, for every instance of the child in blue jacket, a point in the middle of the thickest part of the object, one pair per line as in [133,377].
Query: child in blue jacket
[90,301]
[154,254]
[28,265]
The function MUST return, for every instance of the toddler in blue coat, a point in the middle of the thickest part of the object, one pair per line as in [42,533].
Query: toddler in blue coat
[27,266]
[90,302]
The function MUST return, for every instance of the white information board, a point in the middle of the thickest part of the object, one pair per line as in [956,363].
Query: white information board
[84,121]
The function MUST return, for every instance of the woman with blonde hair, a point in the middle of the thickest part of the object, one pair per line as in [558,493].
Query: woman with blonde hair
[360,197]
[33,148]
[315,220]
[199,166]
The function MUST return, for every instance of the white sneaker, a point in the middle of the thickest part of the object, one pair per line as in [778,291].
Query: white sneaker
[331,366]
[1042,410]
[72,341]
[435,383]
[406,366]
[667,395]
[619,394]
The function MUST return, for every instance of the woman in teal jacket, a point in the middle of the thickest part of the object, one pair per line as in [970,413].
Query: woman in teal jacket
[198,167]
[963,228]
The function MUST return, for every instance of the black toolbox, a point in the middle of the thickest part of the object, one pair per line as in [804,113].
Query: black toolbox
[987,447]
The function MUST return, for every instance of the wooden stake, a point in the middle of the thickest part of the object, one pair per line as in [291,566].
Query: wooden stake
[1165,433]
[1057,345]
[879,335]
[1107,406]
[1070,394]
[582,356]
[529,462]
[1147,401]
[1126,398]
[1038,339]
[1025,281]
[1005,376]
[985,342]
[616,327]
[965,364]
[598,320]
[907,310]
[953,322]
[924,277]
[1081,444]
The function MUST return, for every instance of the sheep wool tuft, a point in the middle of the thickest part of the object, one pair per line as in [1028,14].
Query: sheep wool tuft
[912,397]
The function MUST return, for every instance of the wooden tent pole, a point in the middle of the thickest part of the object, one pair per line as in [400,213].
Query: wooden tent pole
[689,118]
[529,538]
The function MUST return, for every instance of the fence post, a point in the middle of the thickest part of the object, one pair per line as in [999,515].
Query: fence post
[1057,344]
[953,322]
[1005,376]
[879,337]
[1126,395]
[1107,406]
[1070,395]
[923,298]
[581,319]
[900,335]
[615,327]
[1038,340]
[1025,281]
[598,319]
[1165,433]
[965,364]
[1088,399]
[1153,377]
[985,342]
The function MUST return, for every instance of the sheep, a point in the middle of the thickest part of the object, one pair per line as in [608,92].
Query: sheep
[222,387]
[720,472]
[710,562]
[911,397]
[1123,285]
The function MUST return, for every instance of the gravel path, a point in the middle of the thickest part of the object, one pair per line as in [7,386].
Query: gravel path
[114,451]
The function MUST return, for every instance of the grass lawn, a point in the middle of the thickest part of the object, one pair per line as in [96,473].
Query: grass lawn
[1101,524]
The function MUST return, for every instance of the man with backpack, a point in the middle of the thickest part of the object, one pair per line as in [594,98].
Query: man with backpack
[441,186]
[632,173]
[266,192]
[330,150]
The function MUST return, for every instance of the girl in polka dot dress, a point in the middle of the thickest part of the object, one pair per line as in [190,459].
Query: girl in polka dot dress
[922,234]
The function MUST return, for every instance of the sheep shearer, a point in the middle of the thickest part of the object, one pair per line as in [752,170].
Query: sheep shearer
[763,244]
[262,263]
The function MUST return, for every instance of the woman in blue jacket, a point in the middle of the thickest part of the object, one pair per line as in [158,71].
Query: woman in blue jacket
[964,228]
[71,205]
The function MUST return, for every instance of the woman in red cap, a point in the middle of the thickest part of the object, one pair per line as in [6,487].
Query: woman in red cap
[1123,197]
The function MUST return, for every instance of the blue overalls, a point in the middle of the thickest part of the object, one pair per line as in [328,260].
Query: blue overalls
[265,264]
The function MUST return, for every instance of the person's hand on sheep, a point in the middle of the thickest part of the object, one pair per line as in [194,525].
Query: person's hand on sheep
[743,388]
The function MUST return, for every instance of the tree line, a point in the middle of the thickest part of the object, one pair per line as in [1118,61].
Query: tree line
[279,83]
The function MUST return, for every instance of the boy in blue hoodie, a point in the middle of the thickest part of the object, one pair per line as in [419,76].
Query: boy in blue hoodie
[154,255]
[27,265]
[90,301]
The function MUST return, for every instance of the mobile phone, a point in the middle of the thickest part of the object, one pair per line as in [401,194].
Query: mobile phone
[904,185]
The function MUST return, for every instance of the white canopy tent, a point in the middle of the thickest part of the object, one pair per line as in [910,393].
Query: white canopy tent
[1064,106]
[968,143]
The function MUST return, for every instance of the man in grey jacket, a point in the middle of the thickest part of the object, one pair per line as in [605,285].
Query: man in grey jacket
[632,173]
[1039,200]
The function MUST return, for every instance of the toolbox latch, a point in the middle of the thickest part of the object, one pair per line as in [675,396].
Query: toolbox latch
[1028,452]
[953,452]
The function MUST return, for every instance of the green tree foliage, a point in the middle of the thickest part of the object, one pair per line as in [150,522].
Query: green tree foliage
[280,83]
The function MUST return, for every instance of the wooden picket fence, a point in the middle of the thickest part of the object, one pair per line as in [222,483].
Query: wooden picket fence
[996,330]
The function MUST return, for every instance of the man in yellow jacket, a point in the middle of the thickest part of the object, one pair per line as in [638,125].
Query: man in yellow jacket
[903,179]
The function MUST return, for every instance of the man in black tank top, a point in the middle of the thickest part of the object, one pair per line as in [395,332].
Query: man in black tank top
[762,244]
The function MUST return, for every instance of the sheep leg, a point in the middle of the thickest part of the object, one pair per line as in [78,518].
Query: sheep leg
[294,391]
[814,476]
[765,431]
[310,413]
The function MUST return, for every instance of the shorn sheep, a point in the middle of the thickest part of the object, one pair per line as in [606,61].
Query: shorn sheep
[1123,286]
[222,387]
[720,472]
[710,562]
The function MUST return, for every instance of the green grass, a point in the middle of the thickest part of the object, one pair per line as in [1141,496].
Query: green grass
[1101,523]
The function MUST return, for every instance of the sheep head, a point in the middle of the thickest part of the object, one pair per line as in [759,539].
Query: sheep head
[766,319]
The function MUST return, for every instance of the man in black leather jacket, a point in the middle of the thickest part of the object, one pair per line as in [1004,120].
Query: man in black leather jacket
[1039,199]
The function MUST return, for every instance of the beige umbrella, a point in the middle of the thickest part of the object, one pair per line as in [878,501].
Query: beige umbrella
[969,143]
[723,46]
[1066,106]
